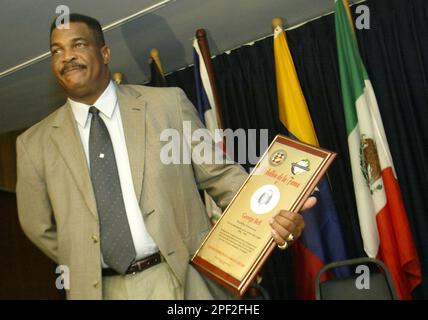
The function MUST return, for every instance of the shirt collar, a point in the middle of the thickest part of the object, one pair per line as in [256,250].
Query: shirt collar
[106,103]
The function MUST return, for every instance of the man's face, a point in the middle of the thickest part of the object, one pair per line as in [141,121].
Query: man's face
[79,63]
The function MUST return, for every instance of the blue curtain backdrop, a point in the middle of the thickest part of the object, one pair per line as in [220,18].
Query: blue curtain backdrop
[395,51]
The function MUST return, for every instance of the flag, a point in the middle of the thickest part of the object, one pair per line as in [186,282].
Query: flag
[321,241]
[204,92]
[208,113]
[383,220]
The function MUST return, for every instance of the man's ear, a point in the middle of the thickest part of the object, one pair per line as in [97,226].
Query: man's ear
[105,52]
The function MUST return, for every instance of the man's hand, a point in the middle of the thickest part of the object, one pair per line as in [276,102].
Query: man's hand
[288,226]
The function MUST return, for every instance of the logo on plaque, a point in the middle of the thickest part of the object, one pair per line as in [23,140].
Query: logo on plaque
[278,157]
[300,167]
[265,199]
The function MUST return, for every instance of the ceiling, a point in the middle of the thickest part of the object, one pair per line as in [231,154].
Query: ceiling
[29,94]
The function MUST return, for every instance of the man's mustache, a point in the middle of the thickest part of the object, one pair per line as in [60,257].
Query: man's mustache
[71,65]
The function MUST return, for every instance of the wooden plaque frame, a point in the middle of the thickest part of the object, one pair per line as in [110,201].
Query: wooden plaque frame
[216,272]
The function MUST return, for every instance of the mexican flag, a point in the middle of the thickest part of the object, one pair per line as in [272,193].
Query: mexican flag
[383,220]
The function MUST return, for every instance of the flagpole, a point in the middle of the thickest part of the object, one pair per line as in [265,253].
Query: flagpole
[348,12]
[205,51]
[155,55]
[157,77]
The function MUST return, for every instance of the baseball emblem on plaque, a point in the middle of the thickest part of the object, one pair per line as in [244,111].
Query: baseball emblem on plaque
[265,199]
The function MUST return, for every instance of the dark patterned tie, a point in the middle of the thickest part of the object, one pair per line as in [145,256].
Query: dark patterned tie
[116,240]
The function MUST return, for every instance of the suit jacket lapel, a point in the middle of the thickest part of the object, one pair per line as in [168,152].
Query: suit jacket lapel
[66,137]
[133,114]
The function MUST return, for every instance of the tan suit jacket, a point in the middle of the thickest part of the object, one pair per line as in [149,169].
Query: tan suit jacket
[56,203]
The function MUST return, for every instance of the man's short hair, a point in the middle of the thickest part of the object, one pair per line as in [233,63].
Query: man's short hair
[92,23]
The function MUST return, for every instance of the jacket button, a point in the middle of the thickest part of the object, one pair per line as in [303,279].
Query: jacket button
[96,284]
[94,239]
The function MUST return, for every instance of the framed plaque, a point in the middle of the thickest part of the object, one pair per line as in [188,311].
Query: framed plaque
[240,242]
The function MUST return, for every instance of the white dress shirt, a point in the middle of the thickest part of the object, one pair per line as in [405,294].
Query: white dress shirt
[108,105]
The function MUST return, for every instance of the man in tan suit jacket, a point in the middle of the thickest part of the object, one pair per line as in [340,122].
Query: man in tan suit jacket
[56,202]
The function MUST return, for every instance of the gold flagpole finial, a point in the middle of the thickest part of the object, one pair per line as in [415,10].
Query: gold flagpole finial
[277,22]
[118,77]
[155,55]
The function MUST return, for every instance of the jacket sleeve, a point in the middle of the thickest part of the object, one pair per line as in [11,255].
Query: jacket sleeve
[34,209]
[220,178]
